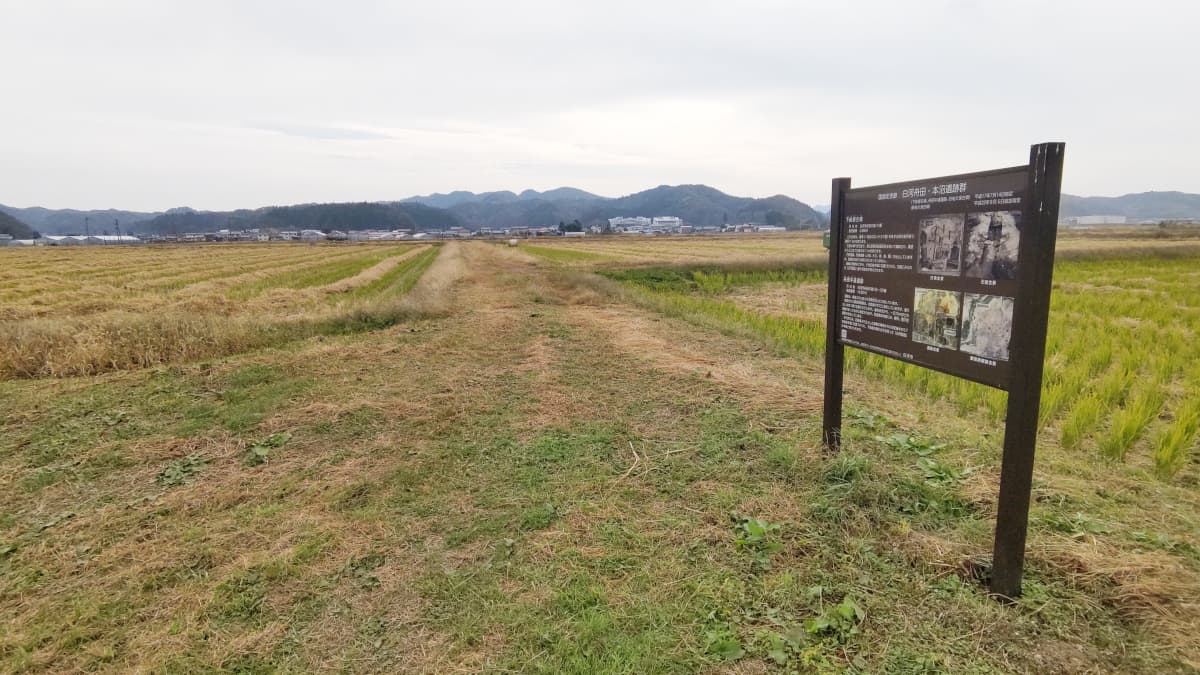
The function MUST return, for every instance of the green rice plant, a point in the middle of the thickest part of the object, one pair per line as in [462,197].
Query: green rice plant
[1121,335]
[938,385]
[968,394]
[1112,388]
[788,332]
[1160,366]
[1055,397]
[712,279]
[915,377]
[1174,441]
[1098,358]
[1129,422]
[1080,422]
[997,403]
[711,283]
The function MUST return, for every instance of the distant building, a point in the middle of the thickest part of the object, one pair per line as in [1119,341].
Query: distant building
[1088,221]
[105,239]
[643,225]
[312,235]
[624,223]
[377,235]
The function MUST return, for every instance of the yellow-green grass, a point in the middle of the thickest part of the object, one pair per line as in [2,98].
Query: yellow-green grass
[1123,332]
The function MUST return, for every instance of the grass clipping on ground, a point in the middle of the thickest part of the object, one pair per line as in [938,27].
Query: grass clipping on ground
[1150,587]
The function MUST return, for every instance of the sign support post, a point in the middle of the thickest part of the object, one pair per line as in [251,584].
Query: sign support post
[1028,347]
[835,352]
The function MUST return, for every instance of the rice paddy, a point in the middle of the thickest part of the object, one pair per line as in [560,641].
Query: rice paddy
[571,457]
[1122,346]
[73,311]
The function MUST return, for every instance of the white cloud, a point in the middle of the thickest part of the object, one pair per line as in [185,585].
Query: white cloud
[226,104]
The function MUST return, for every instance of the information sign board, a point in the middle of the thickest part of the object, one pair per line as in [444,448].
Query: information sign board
[929,271]
[953,274]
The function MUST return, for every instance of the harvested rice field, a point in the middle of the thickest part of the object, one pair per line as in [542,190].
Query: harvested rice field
[572,456]
[69,311]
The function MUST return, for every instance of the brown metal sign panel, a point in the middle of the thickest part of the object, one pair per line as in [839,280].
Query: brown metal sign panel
[929,271]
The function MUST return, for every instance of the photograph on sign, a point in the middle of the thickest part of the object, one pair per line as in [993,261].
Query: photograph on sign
[993,240]
[940,243]
[935,317]
[987,325]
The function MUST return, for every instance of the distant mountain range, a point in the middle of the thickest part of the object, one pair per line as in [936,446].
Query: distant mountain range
[445,201]
[15,228]
[1139,206]
[72,221]
[695,204]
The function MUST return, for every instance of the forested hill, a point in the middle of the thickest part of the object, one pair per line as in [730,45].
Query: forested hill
[15,228]
[74,221]
[696,204]
[1141,205]
[451,199]
[353,216]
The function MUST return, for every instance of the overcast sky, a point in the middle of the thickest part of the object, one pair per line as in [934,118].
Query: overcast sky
[222,104]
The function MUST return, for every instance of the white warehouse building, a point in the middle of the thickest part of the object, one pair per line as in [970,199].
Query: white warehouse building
[625,221]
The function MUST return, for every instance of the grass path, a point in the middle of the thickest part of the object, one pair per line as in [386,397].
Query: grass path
[543,479]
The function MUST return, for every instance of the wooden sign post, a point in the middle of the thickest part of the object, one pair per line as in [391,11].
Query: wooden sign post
[953,274]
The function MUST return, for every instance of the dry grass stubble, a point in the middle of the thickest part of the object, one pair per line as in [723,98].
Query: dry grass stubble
[1150,587]
[124,340]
